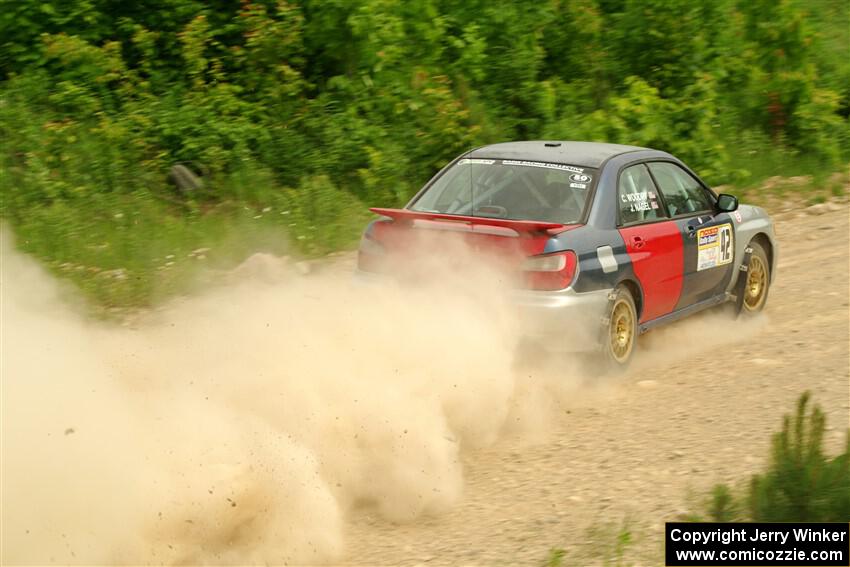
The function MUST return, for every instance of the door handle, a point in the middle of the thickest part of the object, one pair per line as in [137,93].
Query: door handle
[637,242]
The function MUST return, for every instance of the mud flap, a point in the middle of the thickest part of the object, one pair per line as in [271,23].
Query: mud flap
[741,284]
[605,322]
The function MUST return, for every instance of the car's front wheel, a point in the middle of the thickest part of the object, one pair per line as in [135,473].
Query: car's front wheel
[619,340]
[758,280]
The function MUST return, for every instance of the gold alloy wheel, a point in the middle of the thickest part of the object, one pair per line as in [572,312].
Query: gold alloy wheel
[756,288]
[622,330]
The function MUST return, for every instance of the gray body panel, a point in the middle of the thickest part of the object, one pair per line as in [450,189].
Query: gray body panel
[754,221]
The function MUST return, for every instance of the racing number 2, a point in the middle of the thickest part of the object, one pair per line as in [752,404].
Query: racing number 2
[725,244]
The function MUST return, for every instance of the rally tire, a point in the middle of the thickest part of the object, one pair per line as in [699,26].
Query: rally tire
[757,281]
[619,337]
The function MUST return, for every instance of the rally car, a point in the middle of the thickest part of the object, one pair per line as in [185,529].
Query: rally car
[613,240]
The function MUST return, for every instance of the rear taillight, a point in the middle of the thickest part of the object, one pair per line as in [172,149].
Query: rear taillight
[370,255]
[550,272]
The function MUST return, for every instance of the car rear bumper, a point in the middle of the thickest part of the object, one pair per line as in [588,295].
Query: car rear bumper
[559,321]
[368,278]
[564,320]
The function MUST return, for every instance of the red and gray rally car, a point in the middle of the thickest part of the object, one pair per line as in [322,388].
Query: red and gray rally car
[613,240]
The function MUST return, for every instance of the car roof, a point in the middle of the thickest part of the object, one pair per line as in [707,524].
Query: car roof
[587,154]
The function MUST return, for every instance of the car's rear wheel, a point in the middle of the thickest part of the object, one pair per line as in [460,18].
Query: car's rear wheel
[621,335]
[758,280]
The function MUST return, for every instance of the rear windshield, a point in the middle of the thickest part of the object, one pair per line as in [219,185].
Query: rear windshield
[510,189]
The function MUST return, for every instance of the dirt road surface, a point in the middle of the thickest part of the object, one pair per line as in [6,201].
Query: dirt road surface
[642,449]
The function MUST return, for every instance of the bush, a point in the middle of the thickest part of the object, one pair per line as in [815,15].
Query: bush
[800,484]
[361,102]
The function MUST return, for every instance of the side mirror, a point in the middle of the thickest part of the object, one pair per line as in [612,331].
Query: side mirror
[727,203]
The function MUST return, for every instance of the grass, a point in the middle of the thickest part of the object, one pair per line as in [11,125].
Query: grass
[765,172]
[757,158]
[796,190]
[136,250]
[608,543]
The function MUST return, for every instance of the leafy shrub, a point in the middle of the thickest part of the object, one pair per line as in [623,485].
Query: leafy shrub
[363,101]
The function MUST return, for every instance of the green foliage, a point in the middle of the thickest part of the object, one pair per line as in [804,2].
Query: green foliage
[605,543]
[322,217]
[361,101]
[801,484]
[722,504]
[611,542]
[556,558]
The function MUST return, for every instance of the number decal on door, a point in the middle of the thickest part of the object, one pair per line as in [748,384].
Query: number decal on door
[715,246]
[725,244]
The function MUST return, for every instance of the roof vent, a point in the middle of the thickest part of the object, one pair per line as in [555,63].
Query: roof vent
[552,144]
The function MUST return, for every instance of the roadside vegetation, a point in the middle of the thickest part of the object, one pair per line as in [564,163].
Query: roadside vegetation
[609,544]
[800,483]
[299,114]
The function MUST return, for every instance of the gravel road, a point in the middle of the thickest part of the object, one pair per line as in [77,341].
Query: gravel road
[698,408]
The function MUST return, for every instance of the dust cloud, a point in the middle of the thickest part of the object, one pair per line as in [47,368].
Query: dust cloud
[242,424]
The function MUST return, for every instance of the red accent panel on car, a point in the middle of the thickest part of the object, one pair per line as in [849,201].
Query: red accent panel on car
[658,260]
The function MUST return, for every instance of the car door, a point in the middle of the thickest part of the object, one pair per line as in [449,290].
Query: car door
[708,236]
[653,241]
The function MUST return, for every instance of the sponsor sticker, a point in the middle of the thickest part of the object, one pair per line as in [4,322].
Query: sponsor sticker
[580,178]
[715,246]
[578,185]
[543,164]
[474,160]
[737,215]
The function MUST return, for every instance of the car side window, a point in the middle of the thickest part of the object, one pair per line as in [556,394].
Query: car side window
[682,193]
[637,197]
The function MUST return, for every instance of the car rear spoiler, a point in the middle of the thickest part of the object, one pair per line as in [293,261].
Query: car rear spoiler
[520,226]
